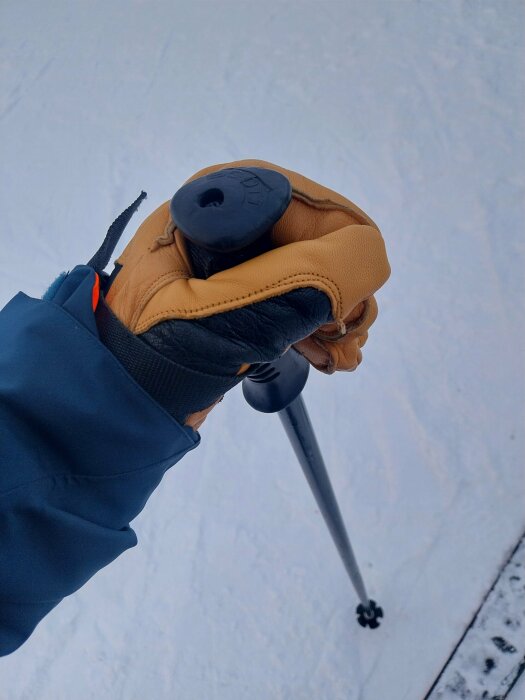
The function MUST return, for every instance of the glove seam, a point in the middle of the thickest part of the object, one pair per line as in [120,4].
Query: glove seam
[330,204]
[162,281]
[308,277]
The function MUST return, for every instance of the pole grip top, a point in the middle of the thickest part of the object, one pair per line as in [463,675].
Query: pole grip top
[226,217]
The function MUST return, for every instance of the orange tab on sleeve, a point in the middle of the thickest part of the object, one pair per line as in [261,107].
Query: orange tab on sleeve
[95,294]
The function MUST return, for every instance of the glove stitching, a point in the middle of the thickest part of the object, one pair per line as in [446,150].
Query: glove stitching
[329,204]
[349,327]
[308,278]
[160,282]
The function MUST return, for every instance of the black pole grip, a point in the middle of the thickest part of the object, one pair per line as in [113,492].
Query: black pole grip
[226,217]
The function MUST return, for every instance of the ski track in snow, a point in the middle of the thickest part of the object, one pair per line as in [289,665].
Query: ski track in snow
[414,111]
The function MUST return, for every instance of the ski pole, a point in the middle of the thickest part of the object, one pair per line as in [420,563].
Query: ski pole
[222,228]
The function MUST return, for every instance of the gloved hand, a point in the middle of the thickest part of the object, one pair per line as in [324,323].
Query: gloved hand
[187,341]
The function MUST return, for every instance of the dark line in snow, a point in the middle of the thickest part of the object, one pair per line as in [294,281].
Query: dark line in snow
[471,625]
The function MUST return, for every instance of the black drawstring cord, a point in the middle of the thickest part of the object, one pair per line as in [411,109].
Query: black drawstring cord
[101,258]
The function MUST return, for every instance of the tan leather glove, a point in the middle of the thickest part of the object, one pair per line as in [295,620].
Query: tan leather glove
[323,242]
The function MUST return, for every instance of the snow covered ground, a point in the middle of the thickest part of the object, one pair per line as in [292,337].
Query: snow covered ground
[414,110]
[490,657]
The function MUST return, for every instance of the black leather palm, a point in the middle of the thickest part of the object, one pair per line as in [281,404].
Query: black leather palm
[260,332]
[185,366]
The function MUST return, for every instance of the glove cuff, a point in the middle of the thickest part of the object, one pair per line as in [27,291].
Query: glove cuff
[180,390]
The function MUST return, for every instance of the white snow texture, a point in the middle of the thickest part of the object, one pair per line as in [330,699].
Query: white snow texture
[414,110]
[491,656]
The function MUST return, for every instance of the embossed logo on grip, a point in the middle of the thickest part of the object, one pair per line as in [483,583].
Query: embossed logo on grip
[256,188]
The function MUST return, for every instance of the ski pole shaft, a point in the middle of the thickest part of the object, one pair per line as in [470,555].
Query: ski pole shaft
[298,427]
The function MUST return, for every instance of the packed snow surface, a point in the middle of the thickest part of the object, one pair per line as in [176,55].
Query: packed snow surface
[414,111]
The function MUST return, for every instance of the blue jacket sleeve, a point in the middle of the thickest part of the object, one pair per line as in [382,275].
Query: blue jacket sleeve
[82,447]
